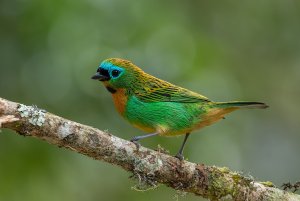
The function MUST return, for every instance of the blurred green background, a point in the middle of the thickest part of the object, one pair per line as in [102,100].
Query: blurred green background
[226,50]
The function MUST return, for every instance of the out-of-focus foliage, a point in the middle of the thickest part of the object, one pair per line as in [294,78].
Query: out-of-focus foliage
[227,50]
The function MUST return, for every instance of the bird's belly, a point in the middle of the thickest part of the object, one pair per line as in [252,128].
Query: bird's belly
[167,118]
[212,116]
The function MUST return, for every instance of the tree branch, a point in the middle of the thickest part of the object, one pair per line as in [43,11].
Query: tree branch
[148,166]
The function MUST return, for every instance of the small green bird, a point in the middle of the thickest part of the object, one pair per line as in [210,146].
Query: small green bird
[159,107]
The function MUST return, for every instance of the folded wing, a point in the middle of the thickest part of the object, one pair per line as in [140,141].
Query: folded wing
[156,90]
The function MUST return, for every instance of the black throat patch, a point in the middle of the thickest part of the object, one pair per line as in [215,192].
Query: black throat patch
[111,90]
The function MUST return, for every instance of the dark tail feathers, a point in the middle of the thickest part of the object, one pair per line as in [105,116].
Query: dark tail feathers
[241,104]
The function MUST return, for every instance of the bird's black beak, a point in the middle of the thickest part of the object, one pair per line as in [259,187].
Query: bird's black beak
[100,77]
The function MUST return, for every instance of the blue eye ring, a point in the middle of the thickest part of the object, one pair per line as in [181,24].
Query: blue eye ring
[115,73]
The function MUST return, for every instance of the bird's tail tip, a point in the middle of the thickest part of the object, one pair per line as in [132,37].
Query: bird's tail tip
[242,104]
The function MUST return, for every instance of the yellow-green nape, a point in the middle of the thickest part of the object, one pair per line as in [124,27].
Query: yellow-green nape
[122,63]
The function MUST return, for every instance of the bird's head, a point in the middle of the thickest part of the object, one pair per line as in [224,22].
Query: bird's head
[117,73]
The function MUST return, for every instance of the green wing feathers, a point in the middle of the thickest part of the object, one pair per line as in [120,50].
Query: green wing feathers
[241,104]
[152,89]
[156,90]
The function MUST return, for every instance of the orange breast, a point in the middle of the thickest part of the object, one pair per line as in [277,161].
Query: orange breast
[120,100]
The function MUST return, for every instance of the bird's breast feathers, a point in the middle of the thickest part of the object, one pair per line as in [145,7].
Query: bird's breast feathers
[120,100]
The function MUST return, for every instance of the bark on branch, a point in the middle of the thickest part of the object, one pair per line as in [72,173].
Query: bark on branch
[148,166]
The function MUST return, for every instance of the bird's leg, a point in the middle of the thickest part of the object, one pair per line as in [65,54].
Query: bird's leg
[135,139]
[179,155]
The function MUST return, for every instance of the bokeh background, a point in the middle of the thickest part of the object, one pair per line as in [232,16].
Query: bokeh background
[226,50]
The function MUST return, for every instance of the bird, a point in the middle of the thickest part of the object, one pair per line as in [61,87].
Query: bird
[158,107]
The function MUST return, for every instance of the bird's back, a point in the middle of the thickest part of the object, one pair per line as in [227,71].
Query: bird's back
[151,89]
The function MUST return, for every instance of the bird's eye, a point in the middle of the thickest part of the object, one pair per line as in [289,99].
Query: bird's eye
[115,73]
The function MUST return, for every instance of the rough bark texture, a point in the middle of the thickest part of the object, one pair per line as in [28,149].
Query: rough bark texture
[148,166]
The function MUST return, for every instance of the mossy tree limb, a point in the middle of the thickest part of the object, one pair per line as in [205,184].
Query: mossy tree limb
[149,166]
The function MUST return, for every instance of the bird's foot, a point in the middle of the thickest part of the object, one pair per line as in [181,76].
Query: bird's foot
[135,141]
[179,156]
